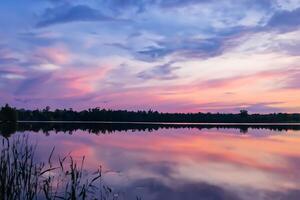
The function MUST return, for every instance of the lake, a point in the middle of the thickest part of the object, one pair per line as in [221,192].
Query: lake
[178,161]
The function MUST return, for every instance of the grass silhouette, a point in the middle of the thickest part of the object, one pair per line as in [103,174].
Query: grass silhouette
[24,178]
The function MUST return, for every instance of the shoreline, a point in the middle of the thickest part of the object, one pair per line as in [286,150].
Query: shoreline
[165,123]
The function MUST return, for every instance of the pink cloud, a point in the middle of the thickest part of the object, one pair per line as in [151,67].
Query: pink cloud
[88,85]
[56,54]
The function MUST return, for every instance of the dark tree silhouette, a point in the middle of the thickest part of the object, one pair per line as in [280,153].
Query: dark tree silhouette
[97,114]
[244,113]
[8,114]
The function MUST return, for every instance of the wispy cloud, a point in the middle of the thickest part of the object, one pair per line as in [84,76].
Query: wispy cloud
[160,72]
[285,20]
[67,13]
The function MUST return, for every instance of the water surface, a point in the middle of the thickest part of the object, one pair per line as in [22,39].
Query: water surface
[157,162]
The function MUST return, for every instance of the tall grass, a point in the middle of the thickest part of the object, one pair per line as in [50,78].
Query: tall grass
[22,177]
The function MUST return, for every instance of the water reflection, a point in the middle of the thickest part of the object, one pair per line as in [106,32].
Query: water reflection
[6,129]
[179,163]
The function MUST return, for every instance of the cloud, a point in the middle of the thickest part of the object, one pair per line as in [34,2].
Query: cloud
[6,56]
[292,194]
[261,107]
[242,80]
[288,4]
[160,72]
[56,54]
[31,85]
[201,191]
[46,67]
[8,60]
[143,5]
[183,48]
[153,53]
[119,6]
[48,58]
[67,13]
[180,3]
[292,80]
[11,74]
[265,107]
[39,38]
[285,20]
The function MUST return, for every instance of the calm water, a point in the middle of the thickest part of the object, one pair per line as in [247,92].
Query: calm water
[180,162]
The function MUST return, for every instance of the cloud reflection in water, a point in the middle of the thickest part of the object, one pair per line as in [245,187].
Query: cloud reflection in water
[188,163]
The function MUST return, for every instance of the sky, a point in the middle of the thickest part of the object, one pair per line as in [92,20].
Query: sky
[165,55]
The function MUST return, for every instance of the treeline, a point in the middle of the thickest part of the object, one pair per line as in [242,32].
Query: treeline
[8,114]
[96,114]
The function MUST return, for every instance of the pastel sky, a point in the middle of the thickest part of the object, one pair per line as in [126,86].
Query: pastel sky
[165,55]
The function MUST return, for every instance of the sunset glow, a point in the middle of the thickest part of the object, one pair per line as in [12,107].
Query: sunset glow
[165,55]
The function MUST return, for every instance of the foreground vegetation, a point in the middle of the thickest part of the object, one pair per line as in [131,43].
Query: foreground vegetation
[24,178]
[11,114]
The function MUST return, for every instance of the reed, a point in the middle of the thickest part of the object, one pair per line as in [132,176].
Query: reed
[22,177]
